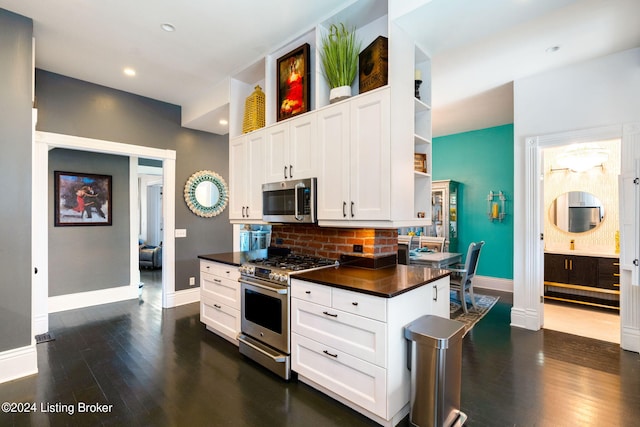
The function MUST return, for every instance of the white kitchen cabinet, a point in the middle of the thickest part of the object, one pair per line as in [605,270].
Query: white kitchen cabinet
[358,381]
[291,149]
[356,335]
[351,346]
[334,176]
[354,180]
[439,298]
[246,176]
[220,299]
[365,169]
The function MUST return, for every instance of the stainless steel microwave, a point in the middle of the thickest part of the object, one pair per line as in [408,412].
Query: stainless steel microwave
[290,201]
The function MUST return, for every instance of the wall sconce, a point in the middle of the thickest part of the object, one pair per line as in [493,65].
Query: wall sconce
[496,209]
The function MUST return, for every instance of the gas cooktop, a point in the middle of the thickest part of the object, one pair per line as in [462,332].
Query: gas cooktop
[292,262]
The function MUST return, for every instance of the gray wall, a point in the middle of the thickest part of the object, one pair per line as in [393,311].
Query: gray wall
[15,180]
[87,258]
[79,108]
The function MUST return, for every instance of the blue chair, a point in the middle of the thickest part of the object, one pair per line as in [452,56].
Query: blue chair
[463,274]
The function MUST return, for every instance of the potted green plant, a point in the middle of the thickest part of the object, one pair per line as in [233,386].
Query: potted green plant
[339,55]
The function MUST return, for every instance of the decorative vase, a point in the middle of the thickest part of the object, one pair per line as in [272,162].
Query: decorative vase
[339,93]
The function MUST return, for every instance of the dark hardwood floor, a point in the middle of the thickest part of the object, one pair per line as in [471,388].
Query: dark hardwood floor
[162,368]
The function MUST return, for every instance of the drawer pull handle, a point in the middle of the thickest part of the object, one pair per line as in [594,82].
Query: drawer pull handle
[217,280]
[354,303]
[616,263]
[329,314]
[617,285]
[330,354]
[616,274]
[307,292]
[217,306]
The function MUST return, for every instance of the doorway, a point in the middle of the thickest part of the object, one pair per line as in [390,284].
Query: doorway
[579,208]
[151,226]
[42,143]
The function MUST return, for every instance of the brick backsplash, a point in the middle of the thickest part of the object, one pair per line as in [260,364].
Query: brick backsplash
[329,242]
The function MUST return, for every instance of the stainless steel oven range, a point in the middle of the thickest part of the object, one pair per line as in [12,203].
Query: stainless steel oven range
[266,314]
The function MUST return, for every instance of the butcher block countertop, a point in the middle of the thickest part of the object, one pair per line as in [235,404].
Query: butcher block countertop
[386,282]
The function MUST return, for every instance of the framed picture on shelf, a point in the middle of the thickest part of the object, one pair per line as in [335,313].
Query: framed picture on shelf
[81,199]
[294,83]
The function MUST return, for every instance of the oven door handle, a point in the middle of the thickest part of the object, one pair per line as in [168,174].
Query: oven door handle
[283,291]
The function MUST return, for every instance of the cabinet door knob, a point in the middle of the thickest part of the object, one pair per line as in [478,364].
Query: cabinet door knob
[354,303]
[308,292]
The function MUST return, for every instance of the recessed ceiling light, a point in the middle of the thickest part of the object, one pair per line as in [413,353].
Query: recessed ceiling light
[129,72]
[223,122]
[552,49]
[169,28]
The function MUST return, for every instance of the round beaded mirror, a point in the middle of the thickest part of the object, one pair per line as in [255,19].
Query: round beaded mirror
[206,193]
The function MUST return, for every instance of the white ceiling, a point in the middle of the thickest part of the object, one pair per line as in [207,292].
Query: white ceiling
[478,47]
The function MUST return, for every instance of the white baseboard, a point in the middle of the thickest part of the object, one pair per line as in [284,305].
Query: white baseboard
[91,298]
[526,319]
[186,296]
[40,324]
[630,339]
[18,363]
[494,283]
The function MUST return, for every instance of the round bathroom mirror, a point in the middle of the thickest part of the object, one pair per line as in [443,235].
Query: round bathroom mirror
[576,212]
[206,193]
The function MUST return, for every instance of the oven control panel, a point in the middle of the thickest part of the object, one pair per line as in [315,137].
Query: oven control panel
[264,273]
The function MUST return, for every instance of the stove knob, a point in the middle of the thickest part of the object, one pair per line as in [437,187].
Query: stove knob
[283,278]
[242,269]
[272,276]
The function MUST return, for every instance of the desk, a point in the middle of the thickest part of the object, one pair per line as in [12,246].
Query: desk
[435,259]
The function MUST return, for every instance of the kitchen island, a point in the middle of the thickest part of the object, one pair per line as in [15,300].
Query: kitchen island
[347,332]
[347,326]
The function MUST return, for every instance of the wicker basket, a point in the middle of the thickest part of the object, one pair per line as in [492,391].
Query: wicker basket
[253,111]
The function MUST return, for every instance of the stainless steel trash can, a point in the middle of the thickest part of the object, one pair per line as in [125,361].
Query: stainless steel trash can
[434,356]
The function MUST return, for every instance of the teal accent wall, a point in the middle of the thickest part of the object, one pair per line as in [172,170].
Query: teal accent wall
[481,160]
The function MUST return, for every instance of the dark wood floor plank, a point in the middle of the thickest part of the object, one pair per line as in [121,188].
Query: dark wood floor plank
[163,368]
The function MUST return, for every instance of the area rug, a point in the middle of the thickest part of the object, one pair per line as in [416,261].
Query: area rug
[484,303]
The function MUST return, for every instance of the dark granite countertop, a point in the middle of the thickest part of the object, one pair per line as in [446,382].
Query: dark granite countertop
[235,258]
[383,282]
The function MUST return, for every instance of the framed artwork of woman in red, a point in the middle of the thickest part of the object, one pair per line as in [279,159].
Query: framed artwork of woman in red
[294,88]
[81,199]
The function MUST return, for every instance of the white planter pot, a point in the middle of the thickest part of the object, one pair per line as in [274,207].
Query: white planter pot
[339,93]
